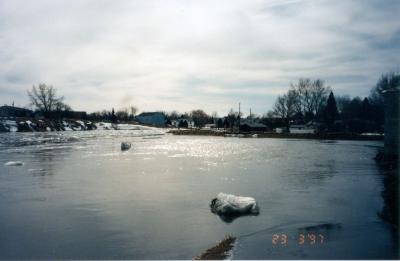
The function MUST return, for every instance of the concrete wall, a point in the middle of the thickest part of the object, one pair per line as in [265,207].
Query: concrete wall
[392,103]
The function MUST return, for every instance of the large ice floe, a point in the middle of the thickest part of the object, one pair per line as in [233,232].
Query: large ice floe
[229,207]
[14,163]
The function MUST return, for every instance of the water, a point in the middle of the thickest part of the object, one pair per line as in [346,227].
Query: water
[77,196]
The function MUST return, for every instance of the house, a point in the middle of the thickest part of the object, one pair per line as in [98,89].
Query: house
[183,123]
[151,118]
[11,111]
[210,126]
[301,129]
[249,125]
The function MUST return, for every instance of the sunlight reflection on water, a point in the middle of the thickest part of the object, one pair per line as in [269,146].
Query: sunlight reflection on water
[79,196]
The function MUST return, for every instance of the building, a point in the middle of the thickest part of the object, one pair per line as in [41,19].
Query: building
[249,126]
[151,118]
[392,103]
[183,123]
[210,126]
[11,111]
[301,129]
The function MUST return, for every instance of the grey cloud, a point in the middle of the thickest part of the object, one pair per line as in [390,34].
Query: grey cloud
[193,54]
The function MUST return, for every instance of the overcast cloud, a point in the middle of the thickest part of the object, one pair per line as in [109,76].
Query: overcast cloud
[183,55]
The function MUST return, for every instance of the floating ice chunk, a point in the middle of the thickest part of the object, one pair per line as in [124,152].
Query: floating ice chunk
[14,163]
[227,204]
[73,139]
[125,146]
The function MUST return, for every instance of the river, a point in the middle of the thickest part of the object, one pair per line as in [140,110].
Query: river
[77,196]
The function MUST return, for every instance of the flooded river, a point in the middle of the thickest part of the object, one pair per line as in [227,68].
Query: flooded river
[77,196]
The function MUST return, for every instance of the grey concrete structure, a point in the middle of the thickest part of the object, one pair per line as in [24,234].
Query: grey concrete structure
[392,103]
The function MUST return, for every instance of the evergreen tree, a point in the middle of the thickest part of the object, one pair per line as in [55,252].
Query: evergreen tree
[113,117]
[365,110]
[220,124]
[331,112]
[183,124]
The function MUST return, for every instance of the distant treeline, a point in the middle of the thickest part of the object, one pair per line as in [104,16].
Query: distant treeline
[312,101]
[306,102]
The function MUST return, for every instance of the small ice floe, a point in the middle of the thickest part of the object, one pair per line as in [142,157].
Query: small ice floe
[125,146]
[14,163]
[151,137]
[73,139]
[228,206]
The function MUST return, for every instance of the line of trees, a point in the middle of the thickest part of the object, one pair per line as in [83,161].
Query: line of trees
[124,114]
[306,101]
[311,100]
[46,102]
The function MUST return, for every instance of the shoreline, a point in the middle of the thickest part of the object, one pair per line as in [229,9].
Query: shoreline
[46,125]
[323,136]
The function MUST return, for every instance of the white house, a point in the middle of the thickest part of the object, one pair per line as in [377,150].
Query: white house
[182,122]
[301,129]
[210,126]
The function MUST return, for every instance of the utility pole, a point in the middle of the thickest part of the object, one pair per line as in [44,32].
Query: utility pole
[250,115]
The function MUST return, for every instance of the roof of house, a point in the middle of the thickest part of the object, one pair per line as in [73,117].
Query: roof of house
[253,124]
[146,114]
[12,108]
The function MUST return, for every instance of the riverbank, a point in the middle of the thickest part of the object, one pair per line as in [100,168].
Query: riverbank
[322,136]
[23,124]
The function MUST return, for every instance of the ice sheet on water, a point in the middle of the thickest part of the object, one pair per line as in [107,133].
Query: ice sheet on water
[9,125]
[14,163]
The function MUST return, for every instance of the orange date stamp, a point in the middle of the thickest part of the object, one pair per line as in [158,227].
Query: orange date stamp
[300,239]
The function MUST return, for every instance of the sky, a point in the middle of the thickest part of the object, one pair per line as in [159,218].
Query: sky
[184,55]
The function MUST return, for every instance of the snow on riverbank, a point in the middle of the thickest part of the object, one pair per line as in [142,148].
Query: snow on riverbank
[33,125]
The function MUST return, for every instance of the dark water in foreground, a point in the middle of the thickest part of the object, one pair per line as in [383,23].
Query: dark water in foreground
[78,196]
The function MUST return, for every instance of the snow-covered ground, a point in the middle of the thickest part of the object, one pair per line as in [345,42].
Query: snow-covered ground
[7,125]
[10,125]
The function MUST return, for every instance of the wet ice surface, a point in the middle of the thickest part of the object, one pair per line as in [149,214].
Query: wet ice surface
[78,196]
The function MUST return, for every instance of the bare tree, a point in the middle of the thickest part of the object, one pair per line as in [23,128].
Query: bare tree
[133,111]
[44,98]
[173,115]
[285,105]
[319,95]
[311,96]
[122,114]
[199,117]
[303,88]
